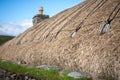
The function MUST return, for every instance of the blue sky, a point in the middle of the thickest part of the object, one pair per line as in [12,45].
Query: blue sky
[20,12]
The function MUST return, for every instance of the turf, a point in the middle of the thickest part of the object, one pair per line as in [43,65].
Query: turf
[4,39]
[35,72]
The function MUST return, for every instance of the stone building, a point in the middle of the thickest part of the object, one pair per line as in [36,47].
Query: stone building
[39,17]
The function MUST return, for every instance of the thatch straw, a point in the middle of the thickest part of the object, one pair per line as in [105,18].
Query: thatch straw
[50,41]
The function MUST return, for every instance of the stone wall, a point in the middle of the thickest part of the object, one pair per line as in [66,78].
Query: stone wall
[38,18]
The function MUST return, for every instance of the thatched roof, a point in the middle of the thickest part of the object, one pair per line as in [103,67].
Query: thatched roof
[72,40]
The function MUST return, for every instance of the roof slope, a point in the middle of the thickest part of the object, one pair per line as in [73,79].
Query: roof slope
[72,40]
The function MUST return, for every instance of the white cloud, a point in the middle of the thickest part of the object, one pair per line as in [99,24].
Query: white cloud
[26,23]
[14,29]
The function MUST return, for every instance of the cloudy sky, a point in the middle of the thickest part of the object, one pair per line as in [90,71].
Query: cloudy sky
[16,15]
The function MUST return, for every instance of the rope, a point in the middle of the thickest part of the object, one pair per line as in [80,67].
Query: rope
[109,20]
[107,25]
[83,9]
[93,11]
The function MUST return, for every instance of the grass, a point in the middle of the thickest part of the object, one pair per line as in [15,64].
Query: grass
[35,72]
[4,39]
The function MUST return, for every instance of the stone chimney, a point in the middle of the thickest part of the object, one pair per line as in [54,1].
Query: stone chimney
[39,17]
[41,10]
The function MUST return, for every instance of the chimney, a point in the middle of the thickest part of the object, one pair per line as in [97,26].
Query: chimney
[41,10]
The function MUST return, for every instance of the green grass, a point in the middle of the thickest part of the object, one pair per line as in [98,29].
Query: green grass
[4,39]
[34,72]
